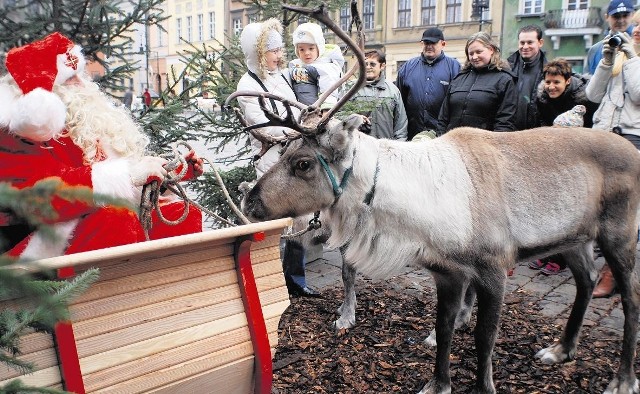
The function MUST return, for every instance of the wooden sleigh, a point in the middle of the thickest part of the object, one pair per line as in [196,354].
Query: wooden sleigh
[197,313]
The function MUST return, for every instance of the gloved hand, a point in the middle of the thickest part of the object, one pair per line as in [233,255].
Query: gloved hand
[365,127]
[608,53]
[147,169]
[195,166]
[627,45]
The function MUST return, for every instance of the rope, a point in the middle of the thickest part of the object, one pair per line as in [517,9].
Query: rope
[314,224]
[151,194]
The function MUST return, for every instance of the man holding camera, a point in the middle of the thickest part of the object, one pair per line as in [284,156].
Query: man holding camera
[615,85]
[619,15]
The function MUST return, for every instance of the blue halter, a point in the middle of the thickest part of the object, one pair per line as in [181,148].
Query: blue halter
[337,189]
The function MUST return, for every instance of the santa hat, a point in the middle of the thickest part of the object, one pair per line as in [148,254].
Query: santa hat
[38,113]
[309,33]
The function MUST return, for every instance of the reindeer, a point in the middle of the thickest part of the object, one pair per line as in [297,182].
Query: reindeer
[467,206]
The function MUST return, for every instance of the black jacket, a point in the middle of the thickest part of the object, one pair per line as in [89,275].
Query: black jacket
[527,116]
[484,98]
[573,95]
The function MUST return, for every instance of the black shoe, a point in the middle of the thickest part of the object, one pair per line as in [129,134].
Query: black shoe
[298,291]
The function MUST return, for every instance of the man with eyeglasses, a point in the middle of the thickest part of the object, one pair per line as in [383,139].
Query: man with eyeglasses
[423,82]
[619,15]
[380,101]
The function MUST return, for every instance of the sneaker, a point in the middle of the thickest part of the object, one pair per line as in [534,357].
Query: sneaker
[552,268]
[536,265]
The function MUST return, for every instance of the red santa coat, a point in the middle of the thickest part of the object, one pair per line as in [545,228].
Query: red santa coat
[80,226]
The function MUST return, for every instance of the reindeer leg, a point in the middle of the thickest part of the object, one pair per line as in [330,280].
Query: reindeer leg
[580,262]
[463,318]
[490,292]
[347,310]
[621,258]
[450,290]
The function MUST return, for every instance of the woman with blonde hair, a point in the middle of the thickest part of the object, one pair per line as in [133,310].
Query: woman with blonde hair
[615,85]
[484,93]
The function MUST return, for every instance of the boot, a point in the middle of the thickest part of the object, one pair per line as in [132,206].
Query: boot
[606,286]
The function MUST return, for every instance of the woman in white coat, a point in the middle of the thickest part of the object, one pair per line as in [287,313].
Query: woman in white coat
[263,50]
[615,85]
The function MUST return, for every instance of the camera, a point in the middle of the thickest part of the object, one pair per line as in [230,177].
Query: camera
[615,41]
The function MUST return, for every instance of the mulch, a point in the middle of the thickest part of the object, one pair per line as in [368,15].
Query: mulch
[384,352]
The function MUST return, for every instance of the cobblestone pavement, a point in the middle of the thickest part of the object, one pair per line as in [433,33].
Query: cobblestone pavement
[554,294]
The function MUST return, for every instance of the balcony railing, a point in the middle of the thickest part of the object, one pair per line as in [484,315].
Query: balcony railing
[574,19]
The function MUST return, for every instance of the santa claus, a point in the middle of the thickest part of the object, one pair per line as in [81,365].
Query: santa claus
[56,123]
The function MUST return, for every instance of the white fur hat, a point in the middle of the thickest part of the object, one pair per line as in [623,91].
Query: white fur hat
[309,33]
[35,112]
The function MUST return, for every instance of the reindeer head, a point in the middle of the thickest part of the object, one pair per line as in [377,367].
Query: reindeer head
[308,177]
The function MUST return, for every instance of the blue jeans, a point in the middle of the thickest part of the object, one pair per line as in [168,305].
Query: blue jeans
[293,263]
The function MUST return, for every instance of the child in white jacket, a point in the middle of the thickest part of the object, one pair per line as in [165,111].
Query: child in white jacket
[318,66]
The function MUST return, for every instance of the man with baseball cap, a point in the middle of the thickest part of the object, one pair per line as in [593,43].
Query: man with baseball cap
[423,82]
[618,16]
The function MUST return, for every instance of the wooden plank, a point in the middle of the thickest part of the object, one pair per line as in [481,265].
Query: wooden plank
[35,341]
[122,337]
[122,302]
[136,350]
[160,247]
[155,278]
[43,377]
[155,311]
[41,359]
[157,361]
[236,377]
[137,266]
[182,370]
[164,303]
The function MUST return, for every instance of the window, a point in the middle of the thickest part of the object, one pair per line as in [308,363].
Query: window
[189,29]
[404,13]
[212,25]
[532,7]
[368,10]
[200,27]
[178,30]
[345,16]
[237,26]
[160,36]
[428,13]
[577,4]
[454,11]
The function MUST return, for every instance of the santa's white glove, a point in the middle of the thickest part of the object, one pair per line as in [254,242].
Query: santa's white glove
[627,45]
[608,54]
[147,169]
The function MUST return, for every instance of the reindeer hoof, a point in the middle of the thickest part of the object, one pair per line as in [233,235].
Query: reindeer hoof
[430,388]
[343,323]
[431,339]
[553,355]
[618,387]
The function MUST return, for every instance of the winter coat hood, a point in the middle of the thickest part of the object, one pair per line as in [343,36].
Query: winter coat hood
[310,33]
[258,38]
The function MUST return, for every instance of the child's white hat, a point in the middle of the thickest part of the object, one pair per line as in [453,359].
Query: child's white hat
[309,33]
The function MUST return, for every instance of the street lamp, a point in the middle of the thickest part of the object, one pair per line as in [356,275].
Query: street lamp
[146,52]
[477,11]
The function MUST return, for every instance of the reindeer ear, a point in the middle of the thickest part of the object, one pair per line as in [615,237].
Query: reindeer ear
[340,134]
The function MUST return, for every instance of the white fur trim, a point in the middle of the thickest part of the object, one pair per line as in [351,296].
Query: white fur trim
[64,71]
[112,177]
[42,246]
[8,95]
[38,115]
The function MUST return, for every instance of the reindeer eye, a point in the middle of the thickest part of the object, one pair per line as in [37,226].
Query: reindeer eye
[303,165]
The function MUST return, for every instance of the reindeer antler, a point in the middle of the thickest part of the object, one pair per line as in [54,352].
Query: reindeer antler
[320,14]
[311,121]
